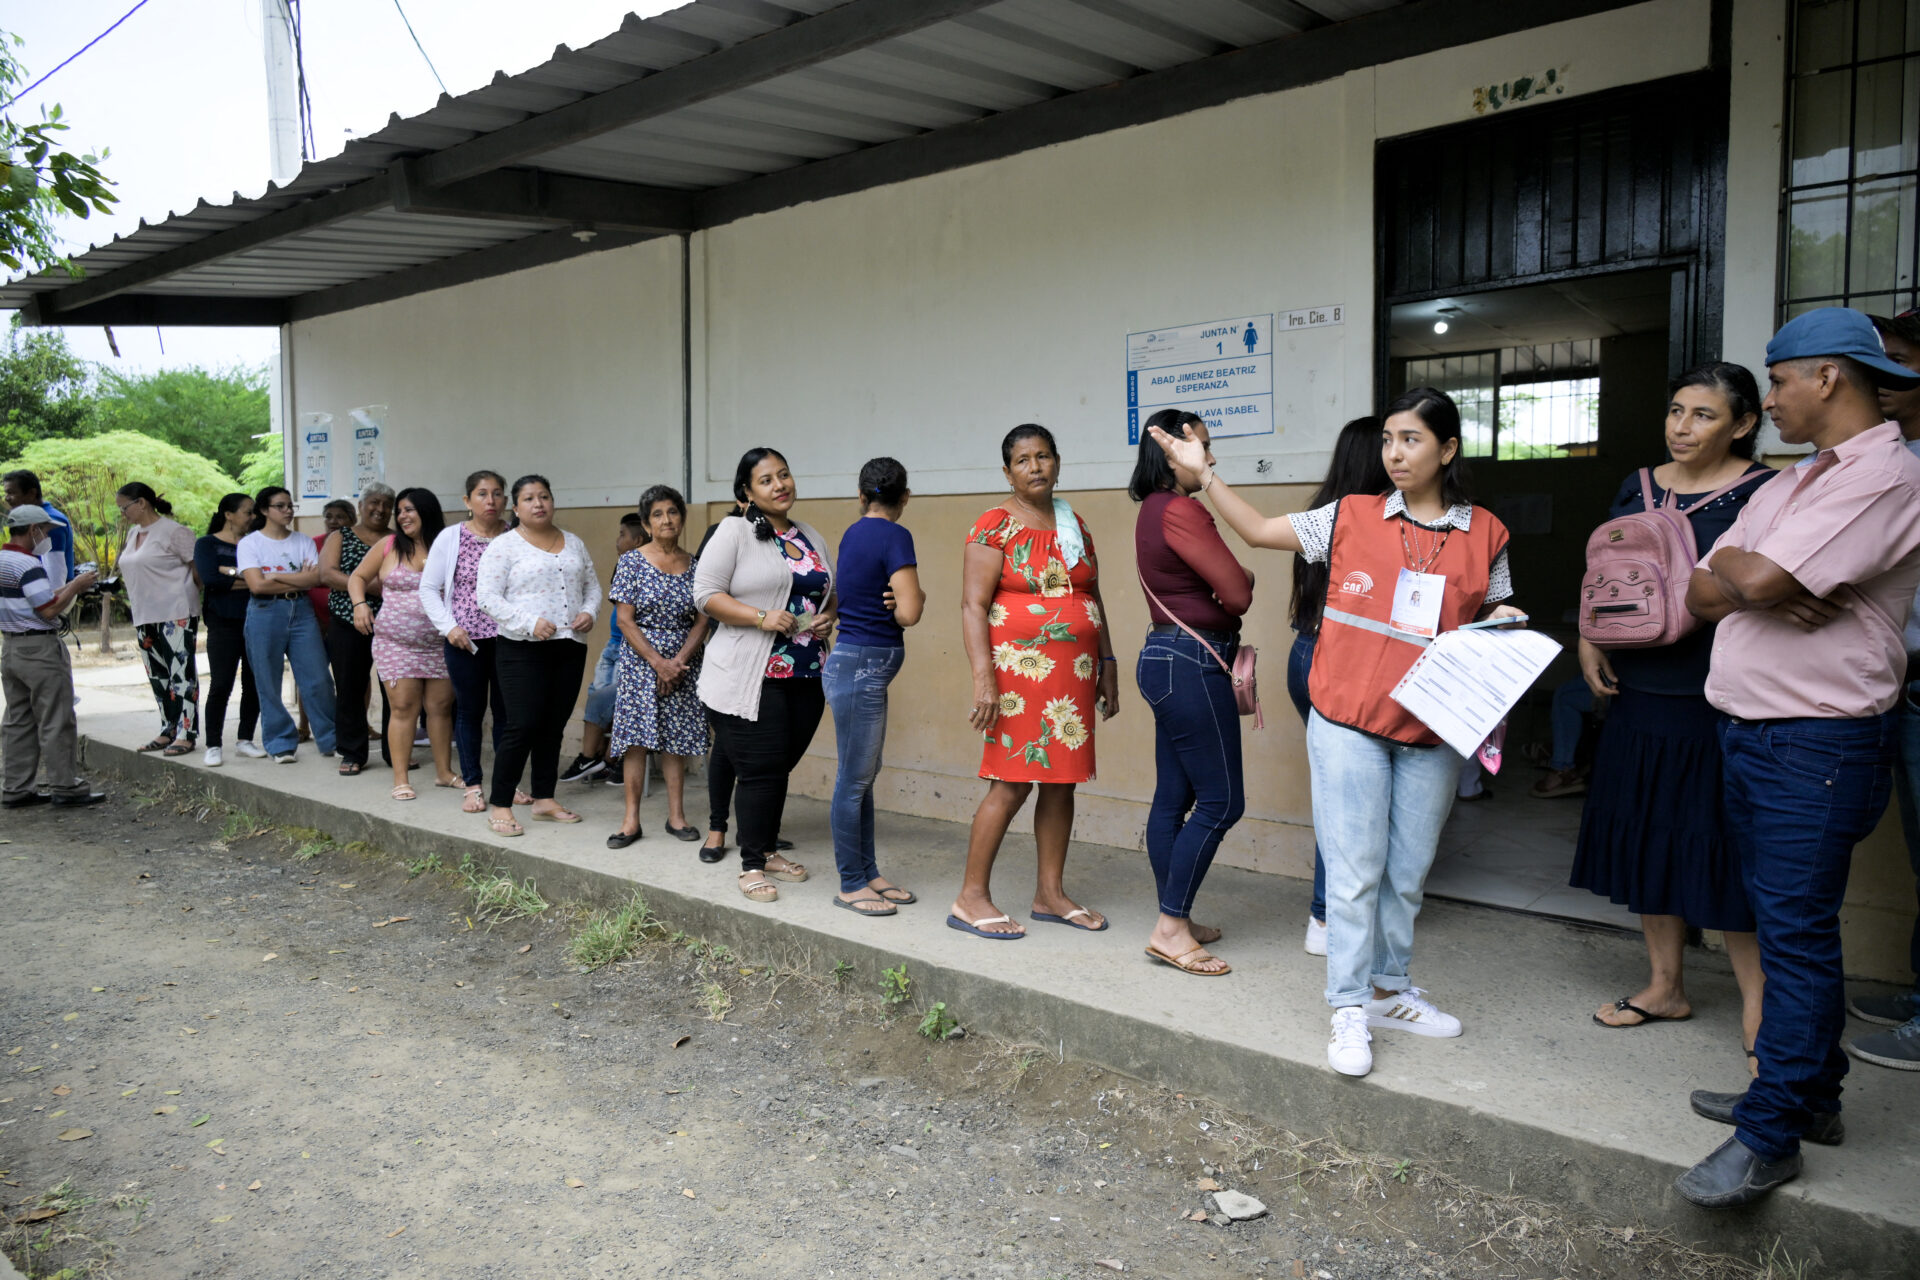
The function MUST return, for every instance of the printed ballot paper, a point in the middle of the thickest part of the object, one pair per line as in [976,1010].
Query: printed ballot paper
[1467,681]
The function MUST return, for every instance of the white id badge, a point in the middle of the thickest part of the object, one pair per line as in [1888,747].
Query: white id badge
[1416,603]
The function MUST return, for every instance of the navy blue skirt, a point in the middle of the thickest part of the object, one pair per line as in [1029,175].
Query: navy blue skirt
[1651,835]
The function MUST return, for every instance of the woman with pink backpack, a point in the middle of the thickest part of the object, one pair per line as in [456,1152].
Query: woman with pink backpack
[1651,836]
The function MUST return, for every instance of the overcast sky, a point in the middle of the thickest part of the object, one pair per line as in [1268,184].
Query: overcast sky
[178,95]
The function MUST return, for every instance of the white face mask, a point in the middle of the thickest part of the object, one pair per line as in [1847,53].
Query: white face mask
[44,546]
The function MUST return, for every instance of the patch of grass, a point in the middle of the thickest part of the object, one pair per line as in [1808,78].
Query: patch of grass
[56,1243]
[497,898]
[841,971]
[896,988]
[417,867]
[607,936]
[241,825]
[938,1024]
[716,1000]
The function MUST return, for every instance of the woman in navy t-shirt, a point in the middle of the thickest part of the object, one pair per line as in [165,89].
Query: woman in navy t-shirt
[880,596]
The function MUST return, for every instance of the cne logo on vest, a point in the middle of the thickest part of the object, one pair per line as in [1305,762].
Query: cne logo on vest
[1357,584]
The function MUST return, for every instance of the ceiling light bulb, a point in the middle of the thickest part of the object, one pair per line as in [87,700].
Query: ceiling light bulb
[1439,326]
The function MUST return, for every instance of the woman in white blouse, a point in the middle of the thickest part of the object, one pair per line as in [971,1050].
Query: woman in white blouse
[537,583]
[164,596]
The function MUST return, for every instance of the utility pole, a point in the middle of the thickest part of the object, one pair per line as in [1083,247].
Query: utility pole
[283,90]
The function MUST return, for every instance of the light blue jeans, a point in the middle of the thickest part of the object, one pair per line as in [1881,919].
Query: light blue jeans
[1377,809]
[604,685]
[855,682]
[281,630]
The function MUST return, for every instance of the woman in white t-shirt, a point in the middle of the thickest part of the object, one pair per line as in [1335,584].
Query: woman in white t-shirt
[280,567]
[163,593]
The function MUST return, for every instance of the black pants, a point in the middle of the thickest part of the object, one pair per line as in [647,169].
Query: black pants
[351,656]
[719,780]
[226,655]
[763,752]
[476,688]
[540,682]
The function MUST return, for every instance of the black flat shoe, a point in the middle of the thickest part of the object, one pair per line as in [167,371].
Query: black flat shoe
[682,833]
[26,801]
[620,839]
[781,846]
[74,801]
[1827,1130]
[1734,1175]
[712,853]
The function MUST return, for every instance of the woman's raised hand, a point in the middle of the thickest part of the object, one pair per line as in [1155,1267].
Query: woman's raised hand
[1188,456]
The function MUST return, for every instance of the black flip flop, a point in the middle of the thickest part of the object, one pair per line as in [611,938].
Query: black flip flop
[907,901]
[1625,1004]
[859,910]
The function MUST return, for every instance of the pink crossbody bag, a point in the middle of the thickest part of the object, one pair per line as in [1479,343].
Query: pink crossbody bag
[1246,685]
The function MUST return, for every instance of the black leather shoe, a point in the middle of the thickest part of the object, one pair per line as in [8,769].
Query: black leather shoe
[620,839]
[781,846]
[712,853]
[26,801]
[1734,1175]
[75,801]
[1827,1130]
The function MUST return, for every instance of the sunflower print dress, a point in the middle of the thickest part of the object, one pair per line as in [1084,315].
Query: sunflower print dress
[1045,629]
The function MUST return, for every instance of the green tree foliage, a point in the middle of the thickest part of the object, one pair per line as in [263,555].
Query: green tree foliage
[81,476]
[213,413]
[46,392]
[39,182]
[265,465]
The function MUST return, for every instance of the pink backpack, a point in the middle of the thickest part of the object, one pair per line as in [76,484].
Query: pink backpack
[1635,593]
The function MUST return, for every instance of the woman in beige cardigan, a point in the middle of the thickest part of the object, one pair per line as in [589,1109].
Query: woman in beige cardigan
[766,579]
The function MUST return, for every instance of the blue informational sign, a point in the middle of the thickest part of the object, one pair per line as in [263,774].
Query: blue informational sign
[1221,370]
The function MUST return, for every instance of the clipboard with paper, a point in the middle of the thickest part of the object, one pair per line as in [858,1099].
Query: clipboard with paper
[1466,681]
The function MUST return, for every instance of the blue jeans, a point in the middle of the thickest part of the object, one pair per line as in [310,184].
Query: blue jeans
[1199,791]
[1378,807]
[1299,665]
[1572,704]
[282,630]
[1800,794]
[855,682]
[476,688]
[603,686]
[1906,782]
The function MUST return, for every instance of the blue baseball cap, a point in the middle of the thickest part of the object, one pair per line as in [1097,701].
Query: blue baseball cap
[1838,331]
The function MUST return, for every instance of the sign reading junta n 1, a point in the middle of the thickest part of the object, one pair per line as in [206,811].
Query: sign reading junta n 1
[1221,370]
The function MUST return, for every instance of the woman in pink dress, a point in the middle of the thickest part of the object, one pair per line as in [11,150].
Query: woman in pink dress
[407,647]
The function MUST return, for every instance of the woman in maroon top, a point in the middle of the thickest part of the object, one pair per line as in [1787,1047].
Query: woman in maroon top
[1191,576]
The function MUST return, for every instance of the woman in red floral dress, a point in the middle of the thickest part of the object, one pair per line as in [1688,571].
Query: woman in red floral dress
[1043,667]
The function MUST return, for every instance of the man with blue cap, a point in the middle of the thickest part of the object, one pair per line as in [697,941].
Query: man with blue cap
[1811,589]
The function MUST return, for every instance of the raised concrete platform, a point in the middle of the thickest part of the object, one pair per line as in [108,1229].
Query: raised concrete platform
[1534,1095]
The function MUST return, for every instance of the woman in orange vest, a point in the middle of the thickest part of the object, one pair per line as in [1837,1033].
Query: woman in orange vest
[1403,566]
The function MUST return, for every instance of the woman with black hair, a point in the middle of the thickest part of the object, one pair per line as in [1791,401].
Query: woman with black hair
[1382,781]
[880,596]
[1356,468]
[1197,592]
[1043,672]
[280,567]
[536,581]
[767,580]
[223,607]
[407,648]
[157,566]
[1652,835]
[350,650]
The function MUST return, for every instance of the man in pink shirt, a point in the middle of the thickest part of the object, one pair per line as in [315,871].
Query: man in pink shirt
[1811,588]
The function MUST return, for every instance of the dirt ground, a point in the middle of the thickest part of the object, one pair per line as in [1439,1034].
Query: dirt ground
[239,1053]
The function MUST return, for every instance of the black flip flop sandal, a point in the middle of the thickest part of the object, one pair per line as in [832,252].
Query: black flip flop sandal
[860,910]
[1625,1004]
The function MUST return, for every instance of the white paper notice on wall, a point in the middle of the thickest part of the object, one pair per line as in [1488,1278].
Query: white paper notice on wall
[316,455]
[1221,370]
[1467,681]
[369,446]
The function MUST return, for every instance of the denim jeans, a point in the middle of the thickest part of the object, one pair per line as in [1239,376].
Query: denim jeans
[1378,807]
[476,689]
[1196,752]
[603,686]
[282,631]
[855,682]
[1572,704]
[1800,794]
[1906,782]
[1299,666]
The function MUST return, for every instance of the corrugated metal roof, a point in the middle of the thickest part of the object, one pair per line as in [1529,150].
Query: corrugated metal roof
[982,60]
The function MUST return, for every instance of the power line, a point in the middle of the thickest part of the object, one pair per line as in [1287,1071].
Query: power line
[416,44]
[82,49]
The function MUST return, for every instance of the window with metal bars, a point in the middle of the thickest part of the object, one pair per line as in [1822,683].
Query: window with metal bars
[1850,205]
[1522,402]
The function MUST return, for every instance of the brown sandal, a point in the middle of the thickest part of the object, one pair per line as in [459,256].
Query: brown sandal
[761,890]
[789,871]
[1186,961]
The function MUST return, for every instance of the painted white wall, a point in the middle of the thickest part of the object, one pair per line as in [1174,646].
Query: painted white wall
[572,370]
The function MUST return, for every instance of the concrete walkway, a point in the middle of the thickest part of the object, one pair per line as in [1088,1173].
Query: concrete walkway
[1534,1096]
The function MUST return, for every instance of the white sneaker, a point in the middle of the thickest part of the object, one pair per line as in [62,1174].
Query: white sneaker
[249,750]
[215,757]
[1316,937]
[1349,1049]
[1410,1010]
[285,757]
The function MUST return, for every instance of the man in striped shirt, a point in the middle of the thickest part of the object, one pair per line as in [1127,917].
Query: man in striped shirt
[34,673]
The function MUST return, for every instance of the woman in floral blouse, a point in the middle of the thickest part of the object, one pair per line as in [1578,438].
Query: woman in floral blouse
[1043,667]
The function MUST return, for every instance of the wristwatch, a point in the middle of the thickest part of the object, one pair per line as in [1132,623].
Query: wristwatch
[762,623]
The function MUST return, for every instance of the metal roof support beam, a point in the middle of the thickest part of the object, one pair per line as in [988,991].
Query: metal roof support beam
[531,195]
[1289,62]
[848,28]
[173,309]
[319,211]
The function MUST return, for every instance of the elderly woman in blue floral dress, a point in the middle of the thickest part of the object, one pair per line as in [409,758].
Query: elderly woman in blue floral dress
[655,707]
